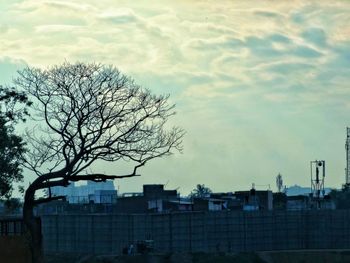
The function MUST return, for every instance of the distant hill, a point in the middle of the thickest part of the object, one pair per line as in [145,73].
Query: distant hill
[299,190]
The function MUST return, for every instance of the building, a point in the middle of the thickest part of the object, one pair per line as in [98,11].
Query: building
[255,199]
[298,202]
[153,199]
[92,192]
[279,201]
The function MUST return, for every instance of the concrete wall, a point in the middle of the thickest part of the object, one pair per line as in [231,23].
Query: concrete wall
[229,231]
[14,249]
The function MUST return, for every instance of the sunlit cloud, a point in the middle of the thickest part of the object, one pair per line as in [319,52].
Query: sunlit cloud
[254,82]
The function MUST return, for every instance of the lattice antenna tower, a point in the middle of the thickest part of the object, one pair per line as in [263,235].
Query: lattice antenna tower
[318,173]
[347,148]
[279,182]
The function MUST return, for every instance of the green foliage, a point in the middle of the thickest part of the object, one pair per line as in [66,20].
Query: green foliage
[13,108]
[200,191]
[13,105]
[11,149]
[12,205]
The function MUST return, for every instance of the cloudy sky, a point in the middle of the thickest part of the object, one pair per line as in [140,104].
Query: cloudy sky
[261,87]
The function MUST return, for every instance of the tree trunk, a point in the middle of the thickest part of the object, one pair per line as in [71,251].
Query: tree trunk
[32,224]
[33,227]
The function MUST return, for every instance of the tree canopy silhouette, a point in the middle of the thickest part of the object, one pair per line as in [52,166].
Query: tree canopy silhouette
[89,113]
[201,191]
[13,108]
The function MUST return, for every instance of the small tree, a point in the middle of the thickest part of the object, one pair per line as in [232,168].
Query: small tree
[89,113]
[200,191]
[13,108]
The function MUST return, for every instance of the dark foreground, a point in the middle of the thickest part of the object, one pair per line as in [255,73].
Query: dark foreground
[312,256]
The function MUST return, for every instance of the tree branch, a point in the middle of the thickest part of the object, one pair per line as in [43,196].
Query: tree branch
[93,113]
[99,177]
[46,200]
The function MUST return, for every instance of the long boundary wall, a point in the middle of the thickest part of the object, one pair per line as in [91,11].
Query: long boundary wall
[228,231]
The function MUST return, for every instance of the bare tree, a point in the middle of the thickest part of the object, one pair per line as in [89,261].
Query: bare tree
[89,113]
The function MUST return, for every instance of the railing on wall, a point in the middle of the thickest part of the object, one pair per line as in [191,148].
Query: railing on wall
[11,226]
[226,231]
[14,245]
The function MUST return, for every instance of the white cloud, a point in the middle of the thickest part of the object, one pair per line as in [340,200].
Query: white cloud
[118,16]
[232,67]
[57,28]
[45,5]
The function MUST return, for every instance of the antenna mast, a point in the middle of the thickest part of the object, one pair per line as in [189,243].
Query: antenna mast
[318,173]
[347,148]
[279,182]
